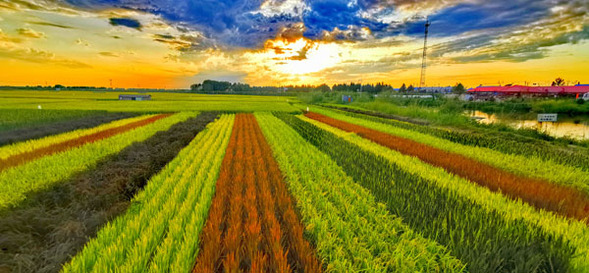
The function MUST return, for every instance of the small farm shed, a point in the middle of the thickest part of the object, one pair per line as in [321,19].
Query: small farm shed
[134,97]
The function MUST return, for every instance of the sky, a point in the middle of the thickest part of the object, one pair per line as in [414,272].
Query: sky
[175,43]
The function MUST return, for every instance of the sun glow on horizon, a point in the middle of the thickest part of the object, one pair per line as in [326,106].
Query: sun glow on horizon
[301,56]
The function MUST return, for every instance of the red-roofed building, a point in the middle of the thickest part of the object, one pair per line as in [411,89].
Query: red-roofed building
[519,90]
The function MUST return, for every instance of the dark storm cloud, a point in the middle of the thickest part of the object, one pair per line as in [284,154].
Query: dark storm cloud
[325,15]
[484,15]
[232,22]
[236,23]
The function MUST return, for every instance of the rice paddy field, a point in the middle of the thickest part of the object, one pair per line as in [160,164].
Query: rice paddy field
[229,183]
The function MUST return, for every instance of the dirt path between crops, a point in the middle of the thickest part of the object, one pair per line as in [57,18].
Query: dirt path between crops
[22,158]
[542,194]
[252,225]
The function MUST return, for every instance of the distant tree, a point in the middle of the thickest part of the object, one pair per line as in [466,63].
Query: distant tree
[403,88]
[410,88]
[458,89]
[195,87]
[243,87]
[212,86]
[323,88]
[558,82]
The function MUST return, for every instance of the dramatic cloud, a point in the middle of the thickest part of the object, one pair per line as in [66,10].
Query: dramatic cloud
[50,24]
[30,33]
[127,22]
[296,41]
[272,8]
[41,57]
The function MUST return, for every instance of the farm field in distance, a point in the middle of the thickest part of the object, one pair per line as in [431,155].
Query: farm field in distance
[109,101]
[240,183]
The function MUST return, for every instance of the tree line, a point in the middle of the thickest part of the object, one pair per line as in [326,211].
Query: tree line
[212,86]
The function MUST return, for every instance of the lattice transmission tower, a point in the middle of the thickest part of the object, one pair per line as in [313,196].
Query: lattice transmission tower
[424,58]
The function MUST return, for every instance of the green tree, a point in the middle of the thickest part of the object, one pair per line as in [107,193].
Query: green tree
[323,88]
[195,86]
[403,88]
[459,89]
[410,88]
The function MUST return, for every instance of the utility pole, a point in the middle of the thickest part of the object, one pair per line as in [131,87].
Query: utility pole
[424,58]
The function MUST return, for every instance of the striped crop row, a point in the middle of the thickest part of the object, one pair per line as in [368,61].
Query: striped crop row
[542,194]
[482,239]
[503,142]
[352,231]
[252,225]
[576,233]
[31,145]
[160,231]
[17,182]
[527,166]
[25,157]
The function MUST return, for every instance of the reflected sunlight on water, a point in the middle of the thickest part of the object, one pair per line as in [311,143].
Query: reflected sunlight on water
[577,128]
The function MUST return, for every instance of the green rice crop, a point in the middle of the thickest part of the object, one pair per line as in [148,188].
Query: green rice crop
[504,142]
[39,174]
[576,233]
[159,232]
[166,102]
[18,118]
[528,166]
[483,239]
[352,231]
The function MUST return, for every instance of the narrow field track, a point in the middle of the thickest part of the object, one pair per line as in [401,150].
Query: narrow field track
[562,200]
[22,158]
[252,225]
